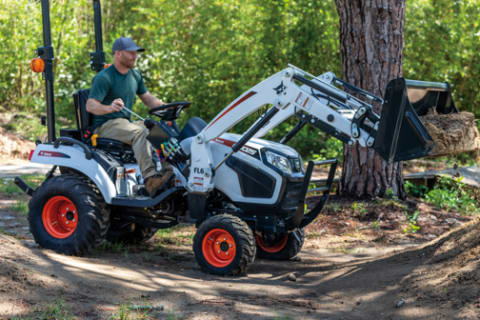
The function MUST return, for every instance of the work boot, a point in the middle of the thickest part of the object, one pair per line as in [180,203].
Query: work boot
[156,183]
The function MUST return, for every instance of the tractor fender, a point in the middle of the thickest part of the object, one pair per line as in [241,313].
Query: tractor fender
[99,168]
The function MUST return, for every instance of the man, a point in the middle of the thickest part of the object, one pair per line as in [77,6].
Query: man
[114,89]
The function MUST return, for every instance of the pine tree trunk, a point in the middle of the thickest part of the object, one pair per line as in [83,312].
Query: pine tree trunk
[371,42]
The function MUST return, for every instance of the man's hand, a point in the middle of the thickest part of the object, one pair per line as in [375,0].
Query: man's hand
[117,105]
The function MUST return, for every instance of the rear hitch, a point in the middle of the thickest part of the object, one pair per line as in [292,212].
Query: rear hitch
[24,186]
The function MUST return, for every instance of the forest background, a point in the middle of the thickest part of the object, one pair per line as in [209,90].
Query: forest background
[210,51]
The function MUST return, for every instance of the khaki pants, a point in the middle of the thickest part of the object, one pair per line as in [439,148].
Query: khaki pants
[134,134]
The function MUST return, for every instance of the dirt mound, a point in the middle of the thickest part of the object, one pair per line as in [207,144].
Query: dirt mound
[452,133]
[14,147]
[452,272]
[15,277]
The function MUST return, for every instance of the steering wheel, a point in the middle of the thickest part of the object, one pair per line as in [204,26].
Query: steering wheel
[169,111]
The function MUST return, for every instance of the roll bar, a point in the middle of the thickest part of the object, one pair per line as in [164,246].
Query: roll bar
[46,53]
[97,59]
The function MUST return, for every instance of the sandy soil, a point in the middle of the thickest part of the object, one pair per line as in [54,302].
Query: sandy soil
[350,268]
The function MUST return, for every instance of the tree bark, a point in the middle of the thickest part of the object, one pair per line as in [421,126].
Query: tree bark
[371,43]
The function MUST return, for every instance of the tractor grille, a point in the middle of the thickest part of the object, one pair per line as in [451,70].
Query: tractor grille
[291,196]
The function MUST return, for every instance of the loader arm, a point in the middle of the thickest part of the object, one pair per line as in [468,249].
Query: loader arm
[319,103]
[289,92]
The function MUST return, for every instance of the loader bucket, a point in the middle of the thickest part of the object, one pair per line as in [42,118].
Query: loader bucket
[401,134]
[430,97]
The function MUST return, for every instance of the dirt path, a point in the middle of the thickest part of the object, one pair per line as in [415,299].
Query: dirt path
[328,285]
[332,278]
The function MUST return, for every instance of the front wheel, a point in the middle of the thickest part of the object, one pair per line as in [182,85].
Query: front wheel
[284,247]
[68,215]
[224,245]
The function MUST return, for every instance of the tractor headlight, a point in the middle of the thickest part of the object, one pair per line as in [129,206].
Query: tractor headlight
[278,161]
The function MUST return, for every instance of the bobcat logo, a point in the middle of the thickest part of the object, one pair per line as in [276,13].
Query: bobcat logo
[280,88]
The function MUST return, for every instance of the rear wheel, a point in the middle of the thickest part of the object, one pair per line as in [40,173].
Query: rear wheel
[224,245]
[68,215]
[283,248]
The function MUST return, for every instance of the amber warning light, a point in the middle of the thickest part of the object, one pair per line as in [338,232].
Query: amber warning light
[37,65]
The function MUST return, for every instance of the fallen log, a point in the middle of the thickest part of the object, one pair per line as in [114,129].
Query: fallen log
[452,133]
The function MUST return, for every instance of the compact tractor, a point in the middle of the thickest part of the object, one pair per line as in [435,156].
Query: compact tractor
[245,195]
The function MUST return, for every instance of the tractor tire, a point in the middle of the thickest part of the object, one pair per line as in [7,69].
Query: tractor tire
[224,245]
[67,214]
[129,233]
[285,248]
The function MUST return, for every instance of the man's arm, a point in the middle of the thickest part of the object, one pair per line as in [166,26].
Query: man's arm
[94,106]
[150,101]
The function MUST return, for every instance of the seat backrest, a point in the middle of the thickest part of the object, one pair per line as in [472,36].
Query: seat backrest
[84,118]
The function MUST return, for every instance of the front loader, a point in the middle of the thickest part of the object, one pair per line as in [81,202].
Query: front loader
[245,195]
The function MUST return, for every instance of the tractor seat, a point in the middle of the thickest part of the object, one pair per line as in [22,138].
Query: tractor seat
[84,120]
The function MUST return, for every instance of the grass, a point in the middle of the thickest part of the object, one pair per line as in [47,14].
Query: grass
[8,186]
[360,209]
[334,206]
[412,219]
[142,311]
[113,247]
[56,310]
[20,206]
[178,235]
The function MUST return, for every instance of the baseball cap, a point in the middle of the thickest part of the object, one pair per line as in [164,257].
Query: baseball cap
[126,44]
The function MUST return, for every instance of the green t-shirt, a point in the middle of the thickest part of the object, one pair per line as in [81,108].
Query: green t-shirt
[109,84]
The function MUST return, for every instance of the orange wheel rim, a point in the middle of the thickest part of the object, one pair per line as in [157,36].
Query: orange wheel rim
[60,217]
[219,248]
[276,247]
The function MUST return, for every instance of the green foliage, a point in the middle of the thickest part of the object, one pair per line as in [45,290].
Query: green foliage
[360,208]
[122,314]
[389,194]
[55,310]
[210,51]
[333,148]
[447,194]
[207,51]
[453,194]
[415,190]
[412,219]
[442,43]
